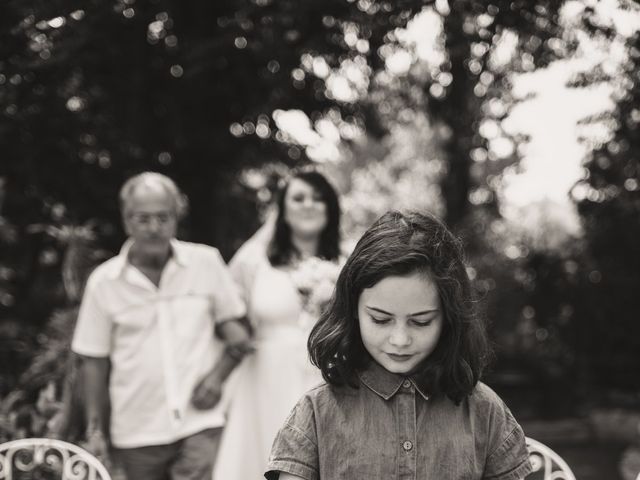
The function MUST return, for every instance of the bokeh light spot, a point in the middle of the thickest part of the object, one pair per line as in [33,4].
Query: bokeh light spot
[595,276]
[236,129]
[262,130]
[164,158]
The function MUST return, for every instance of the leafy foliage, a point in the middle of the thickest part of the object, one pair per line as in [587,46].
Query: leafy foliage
[609,203]
[36,407]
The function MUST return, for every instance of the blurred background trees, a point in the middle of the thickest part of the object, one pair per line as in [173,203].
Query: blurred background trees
[405,104]
[608,199]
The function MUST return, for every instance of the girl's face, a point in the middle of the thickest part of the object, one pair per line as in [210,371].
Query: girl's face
[304,210]
[400,320]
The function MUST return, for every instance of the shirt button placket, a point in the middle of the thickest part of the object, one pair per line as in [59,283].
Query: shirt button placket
[407,430]
[168,357]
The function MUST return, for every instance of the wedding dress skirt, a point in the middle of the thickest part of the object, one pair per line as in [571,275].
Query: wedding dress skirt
[263,389]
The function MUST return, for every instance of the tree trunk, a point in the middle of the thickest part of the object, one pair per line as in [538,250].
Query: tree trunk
[457,114]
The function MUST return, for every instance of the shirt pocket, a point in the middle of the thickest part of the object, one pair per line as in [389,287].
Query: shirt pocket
[135,318]
[191,316]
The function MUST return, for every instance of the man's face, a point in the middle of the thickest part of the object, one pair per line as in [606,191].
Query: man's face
[150,220]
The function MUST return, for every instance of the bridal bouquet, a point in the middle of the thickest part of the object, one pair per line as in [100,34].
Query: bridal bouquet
[315,280]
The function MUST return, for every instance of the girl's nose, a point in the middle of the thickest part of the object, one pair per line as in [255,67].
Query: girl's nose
[400,337]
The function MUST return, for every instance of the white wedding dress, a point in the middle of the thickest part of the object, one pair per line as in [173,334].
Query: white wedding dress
[263,389]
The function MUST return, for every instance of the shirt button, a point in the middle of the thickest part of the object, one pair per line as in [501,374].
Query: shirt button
[406,384]
[407,445]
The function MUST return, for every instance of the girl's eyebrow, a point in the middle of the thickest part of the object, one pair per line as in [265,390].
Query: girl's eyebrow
[416,314]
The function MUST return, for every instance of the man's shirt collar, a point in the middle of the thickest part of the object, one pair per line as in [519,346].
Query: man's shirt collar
[178,254]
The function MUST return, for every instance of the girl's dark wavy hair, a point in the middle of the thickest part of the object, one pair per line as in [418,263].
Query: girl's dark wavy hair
[281,250]
[401,244]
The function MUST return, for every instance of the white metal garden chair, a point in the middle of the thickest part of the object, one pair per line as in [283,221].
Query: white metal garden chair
[60,460]
[548,462]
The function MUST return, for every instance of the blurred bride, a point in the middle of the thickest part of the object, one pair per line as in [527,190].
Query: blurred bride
[286,272]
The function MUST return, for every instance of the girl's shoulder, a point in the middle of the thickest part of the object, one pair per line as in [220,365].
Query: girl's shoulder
[325,398]
[486,406]
[325,407]
[326,393]
[484,398]
[483,392]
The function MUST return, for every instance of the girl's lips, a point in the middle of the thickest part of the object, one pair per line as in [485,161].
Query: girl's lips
[399,358]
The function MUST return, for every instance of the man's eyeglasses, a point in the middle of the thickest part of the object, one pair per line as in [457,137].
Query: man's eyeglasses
[145,219]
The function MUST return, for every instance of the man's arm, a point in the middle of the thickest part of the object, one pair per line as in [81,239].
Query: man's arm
[237,339]
[95,373]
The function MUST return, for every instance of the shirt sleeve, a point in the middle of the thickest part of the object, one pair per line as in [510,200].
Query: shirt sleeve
[227,302]
[508,458]
[243,266]
[92,335]
[295,448]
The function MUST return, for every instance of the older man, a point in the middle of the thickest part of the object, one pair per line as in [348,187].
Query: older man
[146,333]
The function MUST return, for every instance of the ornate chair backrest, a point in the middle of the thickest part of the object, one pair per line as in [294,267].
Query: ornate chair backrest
[48,458]
[547,462]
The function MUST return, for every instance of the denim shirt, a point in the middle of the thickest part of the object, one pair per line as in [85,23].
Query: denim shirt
[389,428]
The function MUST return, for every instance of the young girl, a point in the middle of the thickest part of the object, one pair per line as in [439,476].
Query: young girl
[402,351]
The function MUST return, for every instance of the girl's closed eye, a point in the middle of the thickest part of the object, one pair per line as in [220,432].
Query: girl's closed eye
[424,319]
[422,322]
[378,316]
[379,320]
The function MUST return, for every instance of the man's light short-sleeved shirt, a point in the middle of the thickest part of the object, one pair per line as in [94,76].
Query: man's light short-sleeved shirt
[160,340]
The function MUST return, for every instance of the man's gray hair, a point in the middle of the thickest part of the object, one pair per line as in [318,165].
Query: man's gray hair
[153,180]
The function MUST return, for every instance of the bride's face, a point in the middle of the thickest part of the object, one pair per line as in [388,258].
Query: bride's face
[304,210]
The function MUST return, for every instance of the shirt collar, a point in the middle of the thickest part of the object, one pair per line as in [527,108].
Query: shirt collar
[386,384]
[179,252]
[179,255]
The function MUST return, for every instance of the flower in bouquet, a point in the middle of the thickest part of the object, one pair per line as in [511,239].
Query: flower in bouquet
[315,280]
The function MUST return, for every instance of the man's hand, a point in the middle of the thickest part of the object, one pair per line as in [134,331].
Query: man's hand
[208,392]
